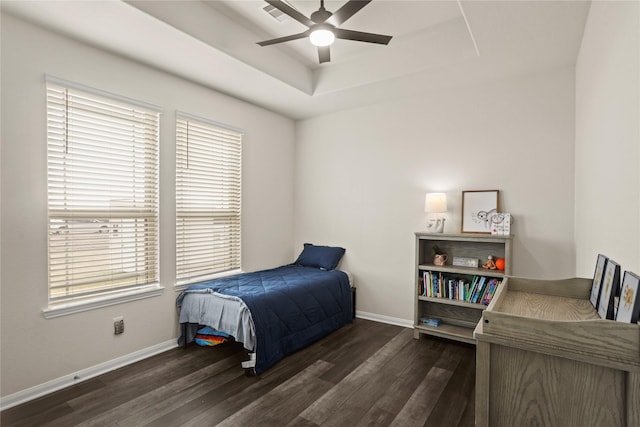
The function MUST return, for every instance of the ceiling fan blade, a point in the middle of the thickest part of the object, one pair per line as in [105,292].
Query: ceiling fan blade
[285,8]
[349,9]
[361,37]
[285,39]
[323,54]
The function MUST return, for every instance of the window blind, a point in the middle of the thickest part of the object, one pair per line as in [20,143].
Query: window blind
[102,174]
[208,193]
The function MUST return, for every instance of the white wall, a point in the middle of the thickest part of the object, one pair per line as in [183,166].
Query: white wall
[361,177]
[608,137]
[35,350]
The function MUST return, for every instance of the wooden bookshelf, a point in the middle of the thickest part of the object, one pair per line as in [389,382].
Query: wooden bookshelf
[458,318]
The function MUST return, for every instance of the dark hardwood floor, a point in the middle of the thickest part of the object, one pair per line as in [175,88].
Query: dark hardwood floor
[365,374]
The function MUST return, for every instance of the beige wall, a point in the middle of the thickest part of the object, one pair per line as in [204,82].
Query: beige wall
[35,350]
[361,178]
[608,137]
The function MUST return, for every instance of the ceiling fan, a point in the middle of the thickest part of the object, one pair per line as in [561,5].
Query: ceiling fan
[323,27]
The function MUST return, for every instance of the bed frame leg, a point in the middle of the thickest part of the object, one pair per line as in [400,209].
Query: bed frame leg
[249,365]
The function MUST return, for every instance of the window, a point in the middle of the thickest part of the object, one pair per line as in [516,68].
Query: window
[208,166]
[102,164]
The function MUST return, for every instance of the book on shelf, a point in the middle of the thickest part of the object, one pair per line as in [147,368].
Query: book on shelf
[474,286]
[430,321]
[493,284]
[436,286]
[477,289]
[427,290]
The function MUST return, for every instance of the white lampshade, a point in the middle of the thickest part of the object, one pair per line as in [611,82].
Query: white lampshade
[322,37]
[435,203]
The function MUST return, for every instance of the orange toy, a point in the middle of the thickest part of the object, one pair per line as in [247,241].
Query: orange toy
[500,264]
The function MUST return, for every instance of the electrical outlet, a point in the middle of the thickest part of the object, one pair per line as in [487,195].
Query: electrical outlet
[118,325]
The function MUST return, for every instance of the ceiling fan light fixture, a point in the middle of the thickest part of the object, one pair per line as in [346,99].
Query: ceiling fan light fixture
[322,37]
[324,27]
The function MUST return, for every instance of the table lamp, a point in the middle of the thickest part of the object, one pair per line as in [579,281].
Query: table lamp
[435,203]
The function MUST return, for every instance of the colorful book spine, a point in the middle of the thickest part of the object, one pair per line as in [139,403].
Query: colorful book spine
[479,290]
[434,285]
[474,286]
[490,288]
[492,292]
[425,284]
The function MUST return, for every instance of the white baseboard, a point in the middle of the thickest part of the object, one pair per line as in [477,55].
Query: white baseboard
[85,374]
[26,395]
[384,319]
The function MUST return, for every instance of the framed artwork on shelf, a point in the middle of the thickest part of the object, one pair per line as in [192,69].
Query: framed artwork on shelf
[478,208]
[596,285]
[610,283]
[629,304]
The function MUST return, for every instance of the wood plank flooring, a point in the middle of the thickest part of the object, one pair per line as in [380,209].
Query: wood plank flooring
[365,374]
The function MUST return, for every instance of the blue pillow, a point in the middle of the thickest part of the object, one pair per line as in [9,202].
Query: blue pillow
[323,257]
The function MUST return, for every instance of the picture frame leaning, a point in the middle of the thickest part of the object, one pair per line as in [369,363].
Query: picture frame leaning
[596,285]
[610,284]
[629,304]
[478,207]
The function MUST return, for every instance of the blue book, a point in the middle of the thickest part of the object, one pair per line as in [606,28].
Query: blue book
[430,321]
[479,290]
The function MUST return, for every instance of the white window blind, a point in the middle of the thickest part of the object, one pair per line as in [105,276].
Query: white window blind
[208,191]
[102,163]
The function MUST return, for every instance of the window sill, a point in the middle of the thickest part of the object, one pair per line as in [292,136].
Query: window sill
[64,309]
[182,285]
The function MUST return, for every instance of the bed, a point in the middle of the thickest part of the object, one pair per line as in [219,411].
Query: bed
[273,312]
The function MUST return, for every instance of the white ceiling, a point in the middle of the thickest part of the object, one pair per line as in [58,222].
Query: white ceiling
[385,17]
[436,45]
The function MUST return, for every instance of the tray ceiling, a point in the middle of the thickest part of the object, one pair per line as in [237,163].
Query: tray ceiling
[435,45]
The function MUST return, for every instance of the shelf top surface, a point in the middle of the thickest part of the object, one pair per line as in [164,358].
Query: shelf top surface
[546,307]
[462,236]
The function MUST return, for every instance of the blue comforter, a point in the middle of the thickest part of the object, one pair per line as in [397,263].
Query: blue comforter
[291,306]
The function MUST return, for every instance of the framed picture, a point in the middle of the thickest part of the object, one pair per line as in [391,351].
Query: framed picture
[610,284]
[601,263]
[629,304]
[478,208]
